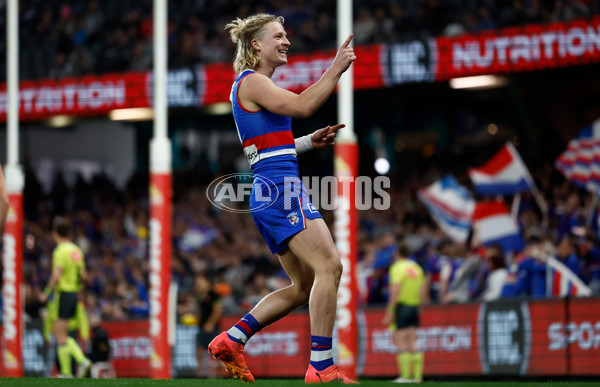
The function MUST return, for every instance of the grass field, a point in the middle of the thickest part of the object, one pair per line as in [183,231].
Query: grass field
[49,382]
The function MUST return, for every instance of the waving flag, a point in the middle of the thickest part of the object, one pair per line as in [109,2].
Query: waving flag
[566,160]
[451,206]
[492,224]
[505,173]
[562,282]
[580,162]
[583,162]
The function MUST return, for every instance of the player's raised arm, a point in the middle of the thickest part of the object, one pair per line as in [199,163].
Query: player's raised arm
[262,91]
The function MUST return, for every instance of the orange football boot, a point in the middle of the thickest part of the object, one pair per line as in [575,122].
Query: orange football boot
[232,355]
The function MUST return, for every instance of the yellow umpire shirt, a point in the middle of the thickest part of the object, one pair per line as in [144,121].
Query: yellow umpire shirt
[410,277]
[70,257]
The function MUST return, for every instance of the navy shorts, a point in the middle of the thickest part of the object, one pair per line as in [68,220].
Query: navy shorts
[407,316]
[67,304]
[280,209]
[204,338]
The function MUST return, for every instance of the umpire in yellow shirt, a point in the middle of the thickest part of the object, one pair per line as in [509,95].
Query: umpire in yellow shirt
[406,293]
[68,274]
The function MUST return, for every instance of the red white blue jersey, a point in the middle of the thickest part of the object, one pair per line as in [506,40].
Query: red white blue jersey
[266,137]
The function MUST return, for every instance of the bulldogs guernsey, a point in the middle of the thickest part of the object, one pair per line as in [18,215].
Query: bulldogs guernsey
[266,137]
[269,146]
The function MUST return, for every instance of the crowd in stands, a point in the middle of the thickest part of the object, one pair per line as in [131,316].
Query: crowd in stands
[111,226]
[69,38]
[62,38]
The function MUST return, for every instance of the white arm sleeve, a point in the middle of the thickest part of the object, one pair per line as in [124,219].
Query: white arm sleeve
[303,144]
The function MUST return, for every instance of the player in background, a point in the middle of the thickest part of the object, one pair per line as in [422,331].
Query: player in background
[407,293]
[68,274]
[210,311]
[78,324]
[4,204]
[294,230]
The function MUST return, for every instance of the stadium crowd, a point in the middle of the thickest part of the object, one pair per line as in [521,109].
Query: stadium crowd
[111,227]
[71,38]
[74,37]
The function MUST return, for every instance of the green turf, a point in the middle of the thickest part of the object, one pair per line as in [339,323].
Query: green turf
[49,382]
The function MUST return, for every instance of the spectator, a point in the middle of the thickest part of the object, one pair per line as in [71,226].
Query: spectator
[448,274]
[566,255]
[111,33]
[531,271]
[436,260]
[498,273]
[210,313]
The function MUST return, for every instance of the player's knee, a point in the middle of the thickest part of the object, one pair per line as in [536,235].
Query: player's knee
[336,268]
[330,266]
[303,293]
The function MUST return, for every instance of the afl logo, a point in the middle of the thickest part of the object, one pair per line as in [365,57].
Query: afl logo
[233,192]
[504,330]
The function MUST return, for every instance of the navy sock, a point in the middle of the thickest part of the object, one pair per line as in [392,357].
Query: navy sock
[321,354]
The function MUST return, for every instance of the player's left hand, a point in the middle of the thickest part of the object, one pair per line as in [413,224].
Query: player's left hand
[325,136]
[387,319]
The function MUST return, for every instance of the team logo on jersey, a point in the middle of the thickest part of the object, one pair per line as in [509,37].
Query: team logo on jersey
[293,218]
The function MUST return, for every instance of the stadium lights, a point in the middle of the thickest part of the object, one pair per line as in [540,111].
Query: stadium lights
[134,114]
[60,121]
[382,166]
[478,82]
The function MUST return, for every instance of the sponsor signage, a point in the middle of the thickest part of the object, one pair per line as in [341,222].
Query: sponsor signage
[531,47]
[504,338]
[515,49]
[408,62]
[130,347]
[537,338]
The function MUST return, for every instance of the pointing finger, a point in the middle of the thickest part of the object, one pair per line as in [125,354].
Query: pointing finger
[322,131]
[347,42]
[335,128]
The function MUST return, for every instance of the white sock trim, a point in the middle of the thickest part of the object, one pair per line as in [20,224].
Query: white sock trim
[238,334]
[321,355]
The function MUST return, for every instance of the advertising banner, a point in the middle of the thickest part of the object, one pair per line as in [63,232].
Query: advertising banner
[559,337]
[447,335]
[131,348]
[516,49]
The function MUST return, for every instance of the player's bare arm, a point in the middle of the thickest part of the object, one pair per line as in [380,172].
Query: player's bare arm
[83,274]
[214,317]
[395,289]
[259,91]
[54,278]
[423,294]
